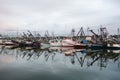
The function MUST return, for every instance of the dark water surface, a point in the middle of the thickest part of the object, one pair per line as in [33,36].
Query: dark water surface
[59,64]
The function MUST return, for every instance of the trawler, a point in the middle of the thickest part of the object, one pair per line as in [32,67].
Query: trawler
[66,43]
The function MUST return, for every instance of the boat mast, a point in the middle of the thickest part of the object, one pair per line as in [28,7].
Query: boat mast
[81,34]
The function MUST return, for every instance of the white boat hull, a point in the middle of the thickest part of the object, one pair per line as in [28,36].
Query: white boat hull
[113,46]
[62,43]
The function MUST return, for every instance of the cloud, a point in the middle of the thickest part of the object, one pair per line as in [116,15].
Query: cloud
[46,14]
[8,26]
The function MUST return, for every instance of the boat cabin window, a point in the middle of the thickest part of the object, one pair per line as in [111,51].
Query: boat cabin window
[52,41]
[56,40]
[60,40]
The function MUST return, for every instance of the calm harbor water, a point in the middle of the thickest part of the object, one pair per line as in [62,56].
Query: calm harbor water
[58,64]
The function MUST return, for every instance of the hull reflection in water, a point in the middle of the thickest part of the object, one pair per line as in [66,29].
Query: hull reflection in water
[36,64]
[66,50]
[80,55]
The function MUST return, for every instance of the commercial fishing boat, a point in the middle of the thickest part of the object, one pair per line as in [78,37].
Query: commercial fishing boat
[66,43]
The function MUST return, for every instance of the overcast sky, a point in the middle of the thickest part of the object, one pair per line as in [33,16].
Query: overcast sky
[58,15]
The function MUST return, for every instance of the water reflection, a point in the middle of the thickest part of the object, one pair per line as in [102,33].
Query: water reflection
[66,55]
